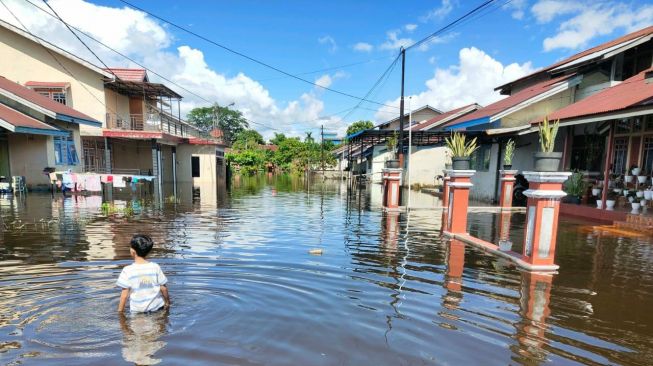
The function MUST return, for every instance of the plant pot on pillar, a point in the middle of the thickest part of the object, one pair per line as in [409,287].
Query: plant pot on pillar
[461,150]
[546,160]
[509,154]
[391,145]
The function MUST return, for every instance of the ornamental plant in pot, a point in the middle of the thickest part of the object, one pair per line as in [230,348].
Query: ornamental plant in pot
[461,150]
[509,154]
[546,160]
[610,202]
[635,170]
[574,187]
[391,145]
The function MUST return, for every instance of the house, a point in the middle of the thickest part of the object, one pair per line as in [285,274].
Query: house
[37,132]
[141,130]
[600,96]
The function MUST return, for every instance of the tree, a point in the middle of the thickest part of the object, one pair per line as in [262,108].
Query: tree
[247,139]
[359,126]
[230,121]
[278,138]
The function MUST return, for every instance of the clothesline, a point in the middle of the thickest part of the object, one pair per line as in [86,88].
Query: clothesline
[92,182]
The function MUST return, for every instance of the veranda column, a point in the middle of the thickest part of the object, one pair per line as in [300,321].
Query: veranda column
[542,217]
[391,185]
[459,185]
[174,169]
[507,185]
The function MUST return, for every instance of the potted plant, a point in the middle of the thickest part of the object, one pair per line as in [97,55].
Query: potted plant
[509,154]
[447,162]
[596,191]
[391,145]
[546,160]
[639,194]
[648,194]
[611,200]
[574,187]
[461,150]
[635,170]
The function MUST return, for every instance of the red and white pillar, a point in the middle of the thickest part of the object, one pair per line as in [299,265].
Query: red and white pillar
[534,309]
[541,231]
[459,185]
[445,189]
[453,279]
[391,186]
[507,185]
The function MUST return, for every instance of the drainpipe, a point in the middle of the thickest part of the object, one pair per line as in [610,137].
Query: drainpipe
[497,184]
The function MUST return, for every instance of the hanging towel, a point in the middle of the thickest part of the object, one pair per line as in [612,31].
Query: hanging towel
[68,181]
[93,183]
[118,182]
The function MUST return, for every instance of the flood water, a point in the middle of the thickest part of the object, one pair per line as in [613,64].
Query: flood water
[386,290]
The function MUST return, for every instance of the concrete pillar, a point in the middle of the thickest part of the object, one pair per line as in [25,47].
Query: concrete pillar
[459,185]
[391,229]
[542,217]
[453,279]
[391,185]
[504,225]
[507,185]
[174,169]
[156,167]
[445,190]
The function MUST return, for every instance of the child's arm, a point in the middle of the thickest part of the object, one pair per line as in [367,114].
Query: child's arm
[123,299]
[166,296]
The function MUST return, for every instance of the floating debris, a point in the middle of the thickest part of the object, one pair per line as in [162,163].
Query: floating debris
[315,251]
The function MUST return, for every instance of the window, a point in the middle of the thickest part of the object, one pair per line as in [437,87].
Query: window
[65,152]
[195,166]
[56,94]
[620,151]
[647,155]
[480,159]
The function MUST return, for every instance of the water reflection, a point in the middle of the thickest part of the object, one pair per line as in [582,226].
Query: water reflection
[388,288]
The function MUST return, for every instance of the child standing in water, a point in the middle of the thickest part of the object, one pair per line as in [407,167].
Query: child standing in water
[143,281]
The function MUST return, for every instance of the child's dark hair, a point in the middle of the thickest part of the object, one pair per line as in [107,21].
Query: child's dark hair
[142,244]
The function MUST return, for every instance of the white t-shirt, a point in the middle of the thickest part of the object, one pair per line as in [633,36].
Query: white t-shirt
[144,282]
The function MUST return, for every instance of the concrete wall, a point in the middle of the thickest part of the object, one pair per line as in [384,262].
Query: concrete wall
[206,153]
[28,155]
[117,104]
[427,162]
[538,110]
[485,182]
[131,154]
[24,60]
[379,155]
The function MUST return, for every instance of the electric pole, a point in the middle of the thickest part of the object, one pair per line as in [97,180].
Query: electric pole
[401,109]
[322,149]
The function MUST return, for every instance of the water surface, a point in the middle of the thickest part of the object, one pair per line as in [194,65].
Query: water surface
[387,289]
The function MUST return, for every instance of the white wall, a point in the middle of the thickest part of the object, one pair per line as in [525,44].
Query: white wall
[206,153]
[426,162]
[485,181]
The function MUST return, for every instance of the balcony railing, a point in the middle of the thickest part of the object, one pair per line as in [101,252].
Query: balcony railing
[153,121]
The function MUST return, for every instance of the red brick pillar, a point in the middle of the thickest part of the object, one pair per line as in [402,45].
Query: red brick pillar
[544,194]
[459,185]
[391,184]
[507,184]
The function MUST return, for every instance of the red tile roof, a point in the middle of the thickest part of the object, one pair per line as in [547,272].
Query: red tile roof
[511,101]
[129,74]
[434,121]
[47,84]
[630,36]
[18,119]
[632,92]
[44,102]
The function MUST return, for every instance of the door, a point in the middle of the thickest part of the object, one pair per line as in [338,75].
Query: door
[195,166]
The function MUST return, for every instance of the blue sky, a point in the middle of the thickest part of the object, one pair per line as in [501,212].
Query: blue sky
[298,36]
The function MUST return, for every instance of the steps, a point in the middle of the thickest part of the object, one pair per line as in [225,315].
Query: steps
[639,223]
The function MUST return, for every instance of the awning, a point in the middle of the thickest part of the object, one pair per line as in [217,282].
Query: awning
[17,122]
[141,89]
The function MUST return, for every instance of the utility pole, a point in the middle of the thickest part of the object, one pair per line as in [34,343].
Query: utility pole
[401,109]
[322,150]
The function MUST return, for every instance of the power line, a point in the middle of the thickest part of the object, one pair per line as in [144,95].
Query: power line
[448,26]
[249,57]
[79,39]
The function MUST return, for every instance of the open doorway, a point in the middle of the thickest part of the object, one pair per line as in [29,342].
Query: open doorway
[195,166]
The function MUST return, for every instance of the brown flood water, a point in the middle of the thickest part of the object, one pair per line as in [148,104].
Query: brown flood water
[387,289]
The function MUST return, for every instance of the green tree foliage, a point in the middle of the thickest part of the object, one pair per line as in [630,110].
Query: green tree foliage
[278,138]
[230,121]
[248,138]
[359,126]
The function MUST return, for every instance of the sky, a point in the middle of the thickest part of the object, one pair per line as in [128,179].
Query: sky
[343,45]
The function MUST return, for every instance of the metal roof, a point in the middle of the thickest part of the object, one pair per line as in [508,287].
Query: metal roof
[18,122]
[128,74]
[141,88]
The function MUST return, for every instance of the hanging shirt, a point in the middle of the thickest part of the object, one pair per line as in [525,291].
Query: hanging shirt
[144,282]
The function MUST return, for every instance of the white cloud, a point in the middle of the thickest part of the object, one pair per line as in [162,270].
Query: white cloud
[363,47]
[410,27]
[324,81]
[589,20]
[394,42]
[328,40]
[517,8]
[439,13]
[471,81]
[145,40]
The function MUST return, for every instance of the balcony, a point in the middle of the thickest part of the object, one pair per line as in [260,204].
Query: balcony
[152,122]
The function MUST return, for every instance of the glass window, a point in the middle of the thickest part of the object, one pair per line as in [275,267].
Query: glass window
[480,159]
[620,151]
[65,152]
[648,122]
[647,156]
[59,97]
[623,125]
